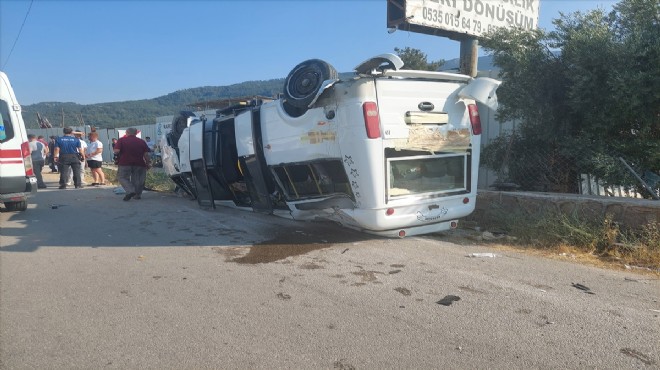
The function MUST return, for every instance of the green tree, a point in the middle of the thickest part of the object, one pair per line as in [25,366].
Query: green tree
[584,94]
[417,60]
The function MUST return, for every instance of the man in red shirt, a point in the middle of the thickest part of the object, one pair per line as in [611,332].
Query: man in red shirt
[133,163]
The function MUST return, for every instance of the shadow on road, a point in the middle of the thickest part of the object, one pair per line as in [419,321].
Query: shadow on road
[96,217]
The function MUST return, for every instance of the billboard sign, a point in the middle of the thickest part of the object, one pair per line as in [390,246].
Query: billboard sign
[460,19]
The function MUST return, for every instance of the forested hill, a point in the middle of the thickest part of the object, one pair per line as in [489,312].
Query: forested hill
[144,112]
[141,112]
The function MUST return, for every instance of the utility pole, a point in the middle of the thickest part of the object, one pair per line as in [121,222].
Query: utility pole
[469,56]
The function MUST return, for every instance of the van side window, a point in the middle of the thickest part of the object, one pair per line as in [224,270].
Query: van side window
[6,127]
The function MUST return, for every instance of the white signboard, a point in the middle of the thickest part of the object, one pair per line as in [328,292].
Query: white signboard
[473,17]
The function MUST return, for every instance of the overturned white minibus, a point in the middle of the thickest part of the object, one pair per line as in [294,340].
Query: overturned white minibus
[386,151]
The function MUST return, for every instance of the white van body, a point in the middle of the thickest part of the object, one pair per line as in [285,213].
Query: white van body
[388,151]
[17,181]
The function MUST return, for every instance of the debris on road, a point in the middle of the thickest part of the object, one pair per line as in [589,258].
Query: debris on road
[482,255]
[448,300]
[646,360]
[403,291]
[283,296]
[582,288]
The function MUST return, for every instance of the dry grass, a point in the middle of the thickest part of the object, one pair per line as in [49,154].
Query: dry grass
[602,240]
[157,180]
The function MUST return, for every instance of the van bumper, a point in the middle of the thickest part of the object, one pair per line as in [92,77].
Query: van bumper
[30,189]
[415,230]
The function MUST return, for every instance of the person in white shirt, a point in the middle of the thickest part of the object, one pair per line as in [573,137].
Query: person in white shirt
[38,153]
[150,143]
[94,155]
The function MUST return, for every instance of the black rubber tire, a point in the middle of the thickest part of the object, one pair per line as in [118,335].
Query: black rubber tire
[179,123]
[16,206]
[304,81]
[293,111]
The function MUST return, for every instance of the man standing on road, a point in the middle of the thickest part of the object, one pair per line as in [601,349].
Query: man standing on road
[38,152]
[67,156]
[51,154]
[133,163]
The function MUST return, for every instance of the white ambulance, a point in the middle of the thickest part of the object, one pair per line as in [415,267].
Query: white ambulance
[386,151]
[17,181]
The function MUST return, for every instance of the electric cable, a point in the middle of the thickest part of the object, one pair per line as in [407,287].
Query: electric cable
[17,36]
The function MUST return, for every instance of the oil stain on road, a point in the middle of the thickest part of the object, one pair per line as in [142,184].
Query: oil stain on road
[290,243]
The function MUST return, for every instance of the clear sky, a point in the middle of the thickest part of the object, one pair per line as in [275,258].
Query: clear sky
[104,51]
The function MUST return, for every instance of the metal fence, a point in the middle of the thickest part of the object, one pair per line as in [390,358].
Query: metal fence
[577,172]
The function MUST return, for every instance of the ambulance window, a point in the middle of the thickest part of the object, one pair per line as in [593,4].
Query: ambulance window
[6,128]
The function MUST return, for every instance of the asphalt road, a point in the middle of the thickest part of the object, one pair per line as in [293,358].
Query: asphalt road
[158,283]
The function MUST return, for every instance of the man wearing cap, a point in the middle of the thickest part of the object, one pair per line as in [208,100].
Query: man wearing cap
[67,151]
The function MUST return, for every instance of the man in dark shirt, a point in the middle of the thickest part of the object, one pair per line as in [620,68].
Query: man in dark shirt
[51,154]
[67,148]
[133,163]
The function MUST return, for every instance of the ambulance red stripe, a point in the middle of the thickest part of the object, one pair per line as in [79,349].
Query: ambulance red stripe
[10,156]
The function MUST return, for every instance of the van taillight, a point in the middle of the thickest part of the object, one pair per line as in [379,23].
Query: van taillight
[475,121]
[371,120]
[27,159]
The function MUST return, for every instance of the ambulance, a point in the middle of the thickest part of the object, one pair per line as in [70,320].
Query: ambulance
[17,180]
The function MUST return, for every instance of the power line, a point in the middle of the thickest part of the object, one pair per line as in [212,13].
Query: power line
[17,36]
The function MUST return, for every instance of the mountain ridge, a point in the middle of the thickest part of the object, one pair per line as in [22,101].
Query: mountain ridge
[145,111]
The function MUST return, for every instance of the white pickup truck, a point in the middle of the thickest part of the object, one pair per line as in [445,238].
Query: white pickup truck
[386,151]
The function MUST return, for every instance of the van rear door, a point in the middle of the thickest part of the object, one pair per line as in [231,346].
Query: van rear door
[427,137]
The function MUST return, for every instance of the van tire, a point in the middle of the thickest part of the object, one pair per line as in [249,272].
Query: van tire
[16,206]
[179,123]
[304,81]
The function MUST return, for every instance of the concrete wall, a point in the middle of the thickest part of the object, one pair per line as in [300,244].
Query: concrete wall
[628,212]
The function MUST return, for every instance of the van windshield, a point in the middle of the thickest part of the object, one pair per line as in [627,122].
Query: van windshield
[6,128]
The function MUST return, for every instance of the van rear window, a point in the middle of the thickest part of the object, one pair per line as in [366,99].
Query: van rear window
[443,174]
[6,127]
